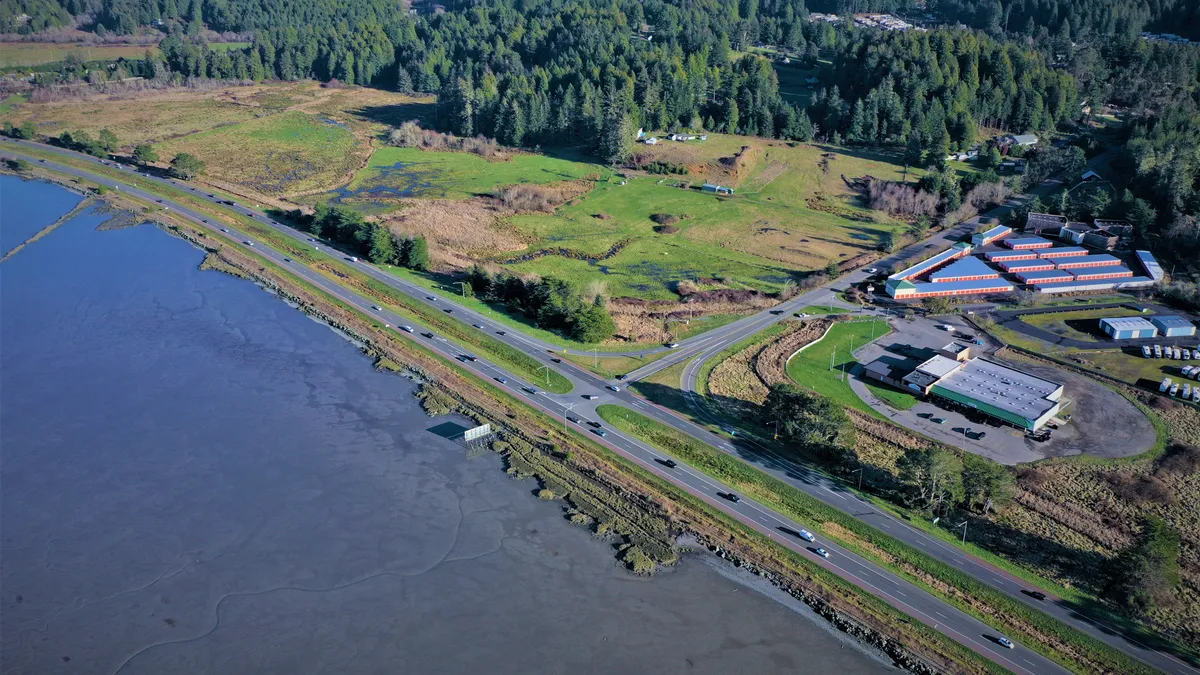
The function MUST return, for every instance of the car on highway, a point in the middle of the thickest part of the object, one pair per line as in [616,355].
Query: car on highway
[226,231]
[938,420]
[591,397]
[777,312]
[203,220]
[806,535]
[600,432]
[448,310]
[377,308]
[501,380]
[800,315]
[470,358]
[530,390]
[406,329]
[594,423]
[1005,642]
[823,553]
[732,497]
[431,298]
[669,463]
[353,258]
[428,335]
[614,387]
[556,359]
[500,332]
[574,420]
[673,345]
[479,326]
[248,242]
[287,260]
[158,200]
[1037,595]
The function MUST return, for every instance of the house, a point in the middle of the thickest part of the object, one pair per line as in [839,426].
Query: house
[1040,222]
[1102,239]
[1074,232]
[719,189]
[1090,176]
[1019,140]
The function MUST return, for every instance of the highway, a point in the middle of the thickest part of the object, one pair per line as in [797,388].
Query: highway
[905,596]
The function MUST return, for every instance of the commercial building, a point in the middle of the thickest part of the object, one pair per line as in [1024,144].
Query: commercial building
[1062,252]
[1039,277]
[1128,328]
[1027,243]
[1102,239]
[1173,326]
[1009,256]
[1097,273]
[1016,267]
[1077,286]
[1098,260]
[985,238]
[1153,269]
[1074,232]
[1007,394]
[912,290]
[924,376]
[965,269]
[1037,223]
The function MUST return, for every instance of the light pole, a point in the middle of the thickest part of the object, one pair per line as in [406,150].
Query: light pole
[963,525]
[569,407]
[463,287]
[859,471]
[547,369]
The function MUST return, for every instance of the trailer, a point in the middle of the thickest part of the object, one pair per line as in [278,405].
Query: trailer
[1145,351]
[1178,353]
[1175,389]
[1186,371]
[1187,355]
[1187,391]
[1166,384]
[1158,351]
[1196,394]
[1168,352]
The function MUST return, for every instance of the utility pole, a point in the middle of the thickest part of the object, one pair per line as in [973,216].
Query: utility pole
[463,286]
[547,369]
[963,525]
[859,471]
[569,407]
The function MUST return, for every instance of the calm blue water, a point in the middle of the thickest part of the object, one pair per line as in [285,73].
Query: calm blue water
[28,206]
[199,479]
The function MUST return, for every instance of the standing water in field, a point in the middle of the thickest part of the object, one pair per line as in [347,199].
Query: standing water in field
[199,479]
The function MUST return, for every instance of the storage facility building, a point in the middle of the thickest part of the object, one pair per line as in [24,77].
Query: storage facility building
[1009,256]
[1039,277]
[985,238]
[1098,260]
[1096,273]
[1019,266]
[911,290]
[1153,269]
[1128,328]
[1173,326]
[1062,252]
[966,269]
[1010,395]
[1027,243]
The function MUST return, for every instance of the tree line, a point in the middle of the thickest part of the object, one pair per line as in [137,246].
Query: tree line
[549,303]
[365,238]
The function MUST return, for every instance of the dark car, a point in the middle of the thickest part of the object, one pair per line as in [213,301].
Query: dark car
[556,360]
[500,332]
[732,497]
[430,298]
[574,420]
[777,311]
[448,310]
[1037,595]
[600,432]
[428,335]
[593,423]
[669,463]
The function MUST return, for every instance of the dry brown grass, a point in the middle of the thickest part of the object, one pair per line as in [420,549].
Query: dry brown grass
[643,321]
[460,231]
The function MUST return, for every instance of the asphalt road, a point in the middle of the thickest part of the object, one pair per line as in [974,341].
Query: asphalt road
[905,596]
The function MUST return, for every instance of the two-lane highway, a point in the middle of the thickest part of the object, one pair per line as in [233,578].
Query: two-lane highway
[911,599]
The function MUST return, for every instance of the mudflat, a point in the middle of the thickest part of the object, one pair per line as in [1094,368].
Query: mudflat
[199,479]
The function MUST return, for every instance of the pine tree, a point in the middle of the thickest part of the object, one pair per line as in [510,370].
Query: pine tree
[418,253]
[382,250]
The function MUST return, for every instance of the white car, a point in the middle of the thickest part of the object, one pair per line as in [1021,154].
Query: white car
[1005,642]
[406,329]
[872,270]
[806,535]
[823,553]
[353,259]
[614,387]
[673,345]
[377,308]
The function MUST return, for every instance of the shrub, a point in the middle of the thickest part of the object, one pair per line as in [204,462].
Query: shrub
[897,199]
[527,198]
[666,229]
[1140,489]
[664,218]
[1179,460]
[546,494]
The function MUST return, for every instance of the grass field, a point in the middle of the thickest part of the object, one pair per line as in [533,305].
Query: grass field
[408,172]
[609,367]
[1082,324]
[14,54]
[8,103]
[288,152]
[811,367]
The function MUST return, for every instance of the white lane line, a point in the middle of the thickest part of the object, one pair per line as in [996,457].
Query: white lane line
[941,615]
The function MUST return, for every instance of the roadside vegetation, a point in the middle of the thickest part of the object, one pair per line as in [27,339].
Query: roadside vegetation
[1076,651]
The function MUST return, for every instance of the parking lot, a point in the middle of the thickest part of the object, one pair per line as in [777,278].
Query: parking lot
[1103,423]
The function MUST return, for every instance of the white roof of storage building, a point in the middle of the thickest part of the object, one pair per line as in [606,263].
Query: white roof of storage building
[1168,322]
[1129,323]
[1003,387]
[967,267]
[939,366]
[1153,269]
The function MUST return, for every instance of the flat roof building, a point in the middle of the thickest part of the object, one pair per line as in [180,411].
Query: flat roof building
[1094,273]
[1010,395]
[966,269]
[1062,252]
[1173,326]
[1027,243]
[924,376]
[1040,222]
[956,351]
[1097,260]
[1009,256]
[908,290]
[1019,266]
[1128,328]
[1077,286]
[1153,269]
[1039,277]
[985,238]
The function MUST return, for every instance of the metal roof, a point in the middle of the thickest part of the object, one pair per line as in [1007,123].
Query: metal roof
[1167,322]
[930,263]
[1097,271]
[978,285]
[997,231]
[1094,285]
[1153,269]
[1085,260]
[1043,276]
[1001,387]
[939,366]
[1061,251]
[1027,241]
[1000,256]
[1129,323]
[967,267]
[1018,266]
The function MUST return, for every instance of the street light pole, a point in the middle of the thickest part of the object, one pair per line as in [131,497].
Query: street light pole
[859,471]
[547,369]
[463,288]
[963,525]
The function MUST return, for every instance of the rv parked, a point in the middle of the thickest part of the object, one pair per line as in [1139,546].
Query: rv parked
[1166,384]
[1158,351]
[1187,391]
[1145,351]
[1175,389]
[1178,354]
